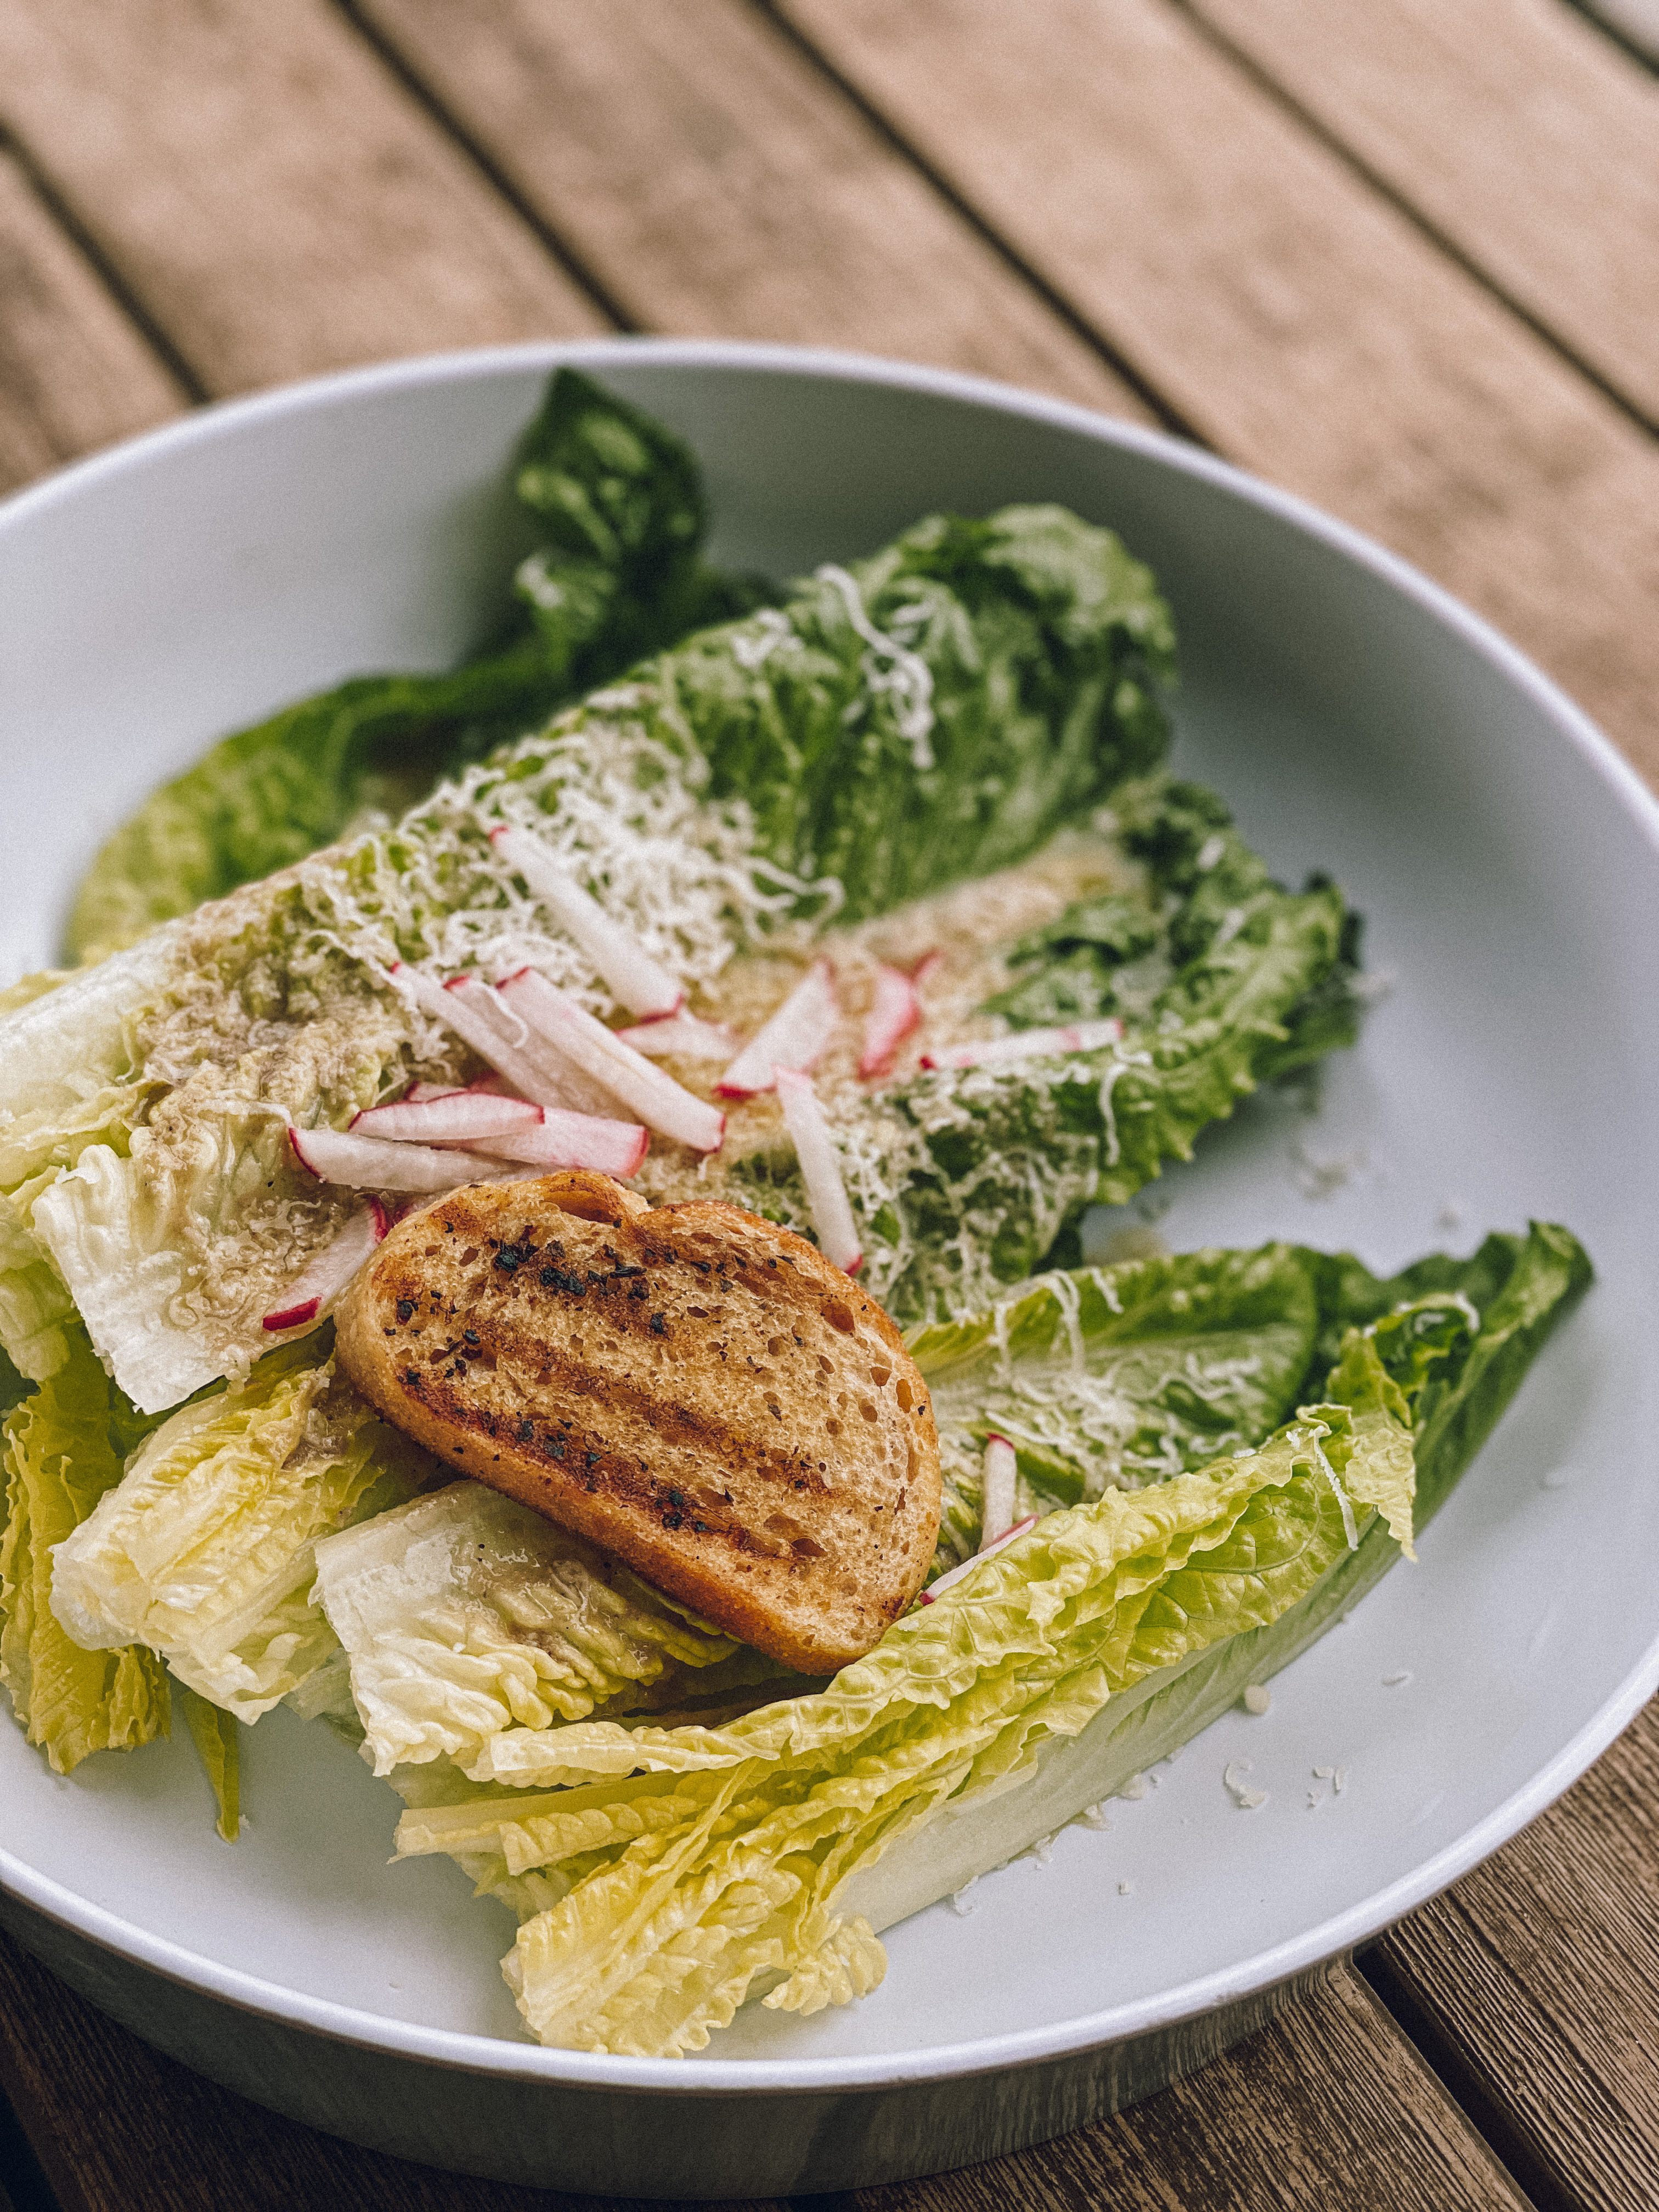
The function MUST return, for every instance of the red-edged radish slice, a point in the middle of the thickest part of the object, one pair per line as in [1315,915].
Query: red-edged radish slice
[1027,1044]
[820,1170]
[896,1011]
[632,977]
[797,1036]
[477,1015]
[572,1033]
[326,1273]
[938,1588]
[686,1035]
[423,1094]
[459,1119]
[571,1141]
[370,1163]
[997,1491]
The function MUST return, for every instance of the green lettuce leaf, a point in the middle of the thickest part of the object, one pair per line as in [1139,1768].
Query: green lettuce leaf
[64,1448]
[617,503]
[963,1181]
[708,1877]
[205,1550]
[463,1614]
[665,1874]
[1109,1377]
[213,1731]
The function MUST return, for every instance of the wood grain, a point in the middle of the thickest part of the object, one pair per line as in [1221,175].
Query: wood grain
[1527,139]
[715,183]
[276,200]
[75,374]
[1536,1983]
[1306,327]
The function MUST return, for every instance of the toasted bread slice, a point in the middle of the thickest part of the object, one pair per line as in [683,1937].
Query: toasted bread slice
[694,1389]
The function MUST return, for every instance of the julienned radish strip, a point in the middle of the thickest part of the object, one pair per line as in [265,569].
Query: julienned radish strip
[938,1588]
[997,1491]
[895,1011]
[1027,1044]
[327,1272]
[558,1023]
[473,1011]
[570,1140]
[687,1037]
[459,1118]
[632,977]
[820,1170]
[371,1163]
[493,1085]
[796,1036]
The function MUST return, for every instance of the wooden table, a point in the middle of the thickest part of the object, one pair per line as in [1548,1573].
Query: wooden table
[1402,258]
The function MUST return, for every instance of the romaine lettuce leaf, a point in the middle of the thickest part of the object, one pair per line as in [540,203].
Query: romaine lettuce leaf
[615,503]
[697,1881]
[213,1731]
[665,1874]
[64,1448]
[204,1552]
[963,1181]
[1117,1377]
[465,1615]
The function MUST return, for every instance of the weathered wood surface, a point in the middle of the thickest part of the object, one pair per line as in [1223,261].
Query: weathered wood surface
[74,372]
[714,182]
[1303,325]
[1332,2089]
[208,195]
[1511,126]
[1535,1985]
[276,200]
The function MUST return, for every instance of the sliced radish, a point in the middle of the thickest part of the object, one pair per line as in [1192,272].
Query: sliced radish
[635,979]
[461,1117]
[477,1015]
[371,1163]
[796,1036]
[826,1193]
[556,1022]
[1027,1044]
[683,1035]
[895,1013]
[328,1272]
[938,1588]
[571,1141]
[997,1495]
[423,1094]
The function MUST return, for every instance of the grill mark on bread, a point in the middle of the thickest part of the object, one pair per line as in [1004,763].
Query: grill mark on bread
[695,1389]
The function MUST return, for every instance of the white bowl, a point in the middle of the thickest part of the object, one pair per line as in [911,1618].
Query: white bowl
[1358,721]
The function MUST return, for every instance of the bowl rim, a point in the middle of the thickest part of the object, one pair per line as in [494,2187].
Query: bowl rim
[712,2076]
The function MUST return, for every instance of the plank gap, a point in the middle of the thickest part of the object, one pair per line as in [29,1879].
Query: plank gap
[1306,119]
[1464,2084]
[182,372]
[1164,412]
[560,247]
[1605,19]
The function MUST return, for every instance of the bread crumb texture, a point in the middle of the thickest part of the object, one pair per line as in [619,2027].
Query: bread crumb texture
[694,1389]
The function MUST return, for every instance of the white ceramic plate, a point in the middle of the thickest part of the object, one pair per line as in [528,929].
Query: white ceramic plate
[1358,721]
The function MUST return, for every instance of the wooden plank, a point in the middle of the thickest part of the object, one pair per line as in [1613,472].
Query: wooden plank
[1527,139]
[715,183]
[1306,328]
[74,372]
[275,198]
[1331,2089]
[1534,1983]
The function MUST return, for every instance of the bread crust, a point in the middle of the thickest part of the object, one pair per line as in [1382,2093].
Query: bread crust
[691,1386]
